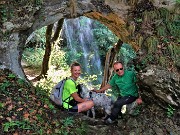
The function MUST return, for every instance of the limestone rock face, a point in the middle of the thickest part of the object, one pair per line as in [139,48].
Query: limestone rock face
[160,86]
[33,15]
[21,19]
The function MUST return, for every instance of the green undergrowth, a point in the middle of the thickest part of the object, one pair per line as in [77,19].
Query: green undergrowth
[27,110]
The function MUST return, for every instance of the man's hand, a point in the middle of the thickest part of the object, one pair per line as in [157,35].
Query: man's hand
[94,90]
[87,99]
[139,101]
[98,91]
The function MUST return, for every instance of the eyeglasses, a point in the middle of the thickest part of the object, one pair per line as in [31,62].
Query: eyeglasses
[117,70]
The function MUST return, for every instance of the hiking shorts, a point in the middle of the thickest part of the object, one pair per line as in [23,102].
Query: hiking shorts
[73,109]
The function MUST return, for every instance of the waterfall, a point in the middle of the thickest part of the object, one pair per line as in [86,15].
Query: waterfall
[81,42]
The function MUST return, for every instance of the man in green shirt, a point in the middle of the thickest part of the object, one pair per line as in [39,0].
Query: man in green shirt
[125,81]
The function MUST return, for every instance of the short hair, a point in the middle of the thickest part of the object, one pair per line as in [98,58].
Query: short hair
[73,64]
[116,62]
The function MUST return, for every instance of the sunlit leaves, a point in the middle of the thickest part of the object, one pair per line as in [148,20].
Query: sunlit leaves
[1,105]
[11,76]
[68,121]
[4,86]
[12,125]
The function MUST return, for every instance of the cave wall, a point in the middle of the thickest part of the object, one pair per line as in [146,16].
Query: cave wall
[20,18]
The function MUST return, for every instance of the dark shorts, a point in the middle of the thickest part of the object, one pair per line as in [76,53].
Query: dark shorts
[73,109]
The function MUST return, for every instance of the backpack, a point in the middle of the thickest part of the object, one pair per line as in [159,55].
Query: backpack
[57,91]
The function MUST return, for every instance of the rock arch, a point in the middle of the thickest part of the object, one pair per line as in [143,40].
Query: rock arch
[31,15]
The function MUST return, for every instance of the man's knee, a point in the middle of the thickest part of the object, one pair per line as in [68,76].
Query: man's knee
[118,104]
[90,103]
[85,106]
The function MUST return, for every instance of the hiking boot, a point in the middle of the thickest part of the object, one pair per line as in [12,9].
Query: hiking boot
[109,121]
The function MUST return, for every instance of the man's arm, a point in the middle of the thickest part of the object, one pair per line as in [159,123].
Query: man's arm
[77,98]
[107,86]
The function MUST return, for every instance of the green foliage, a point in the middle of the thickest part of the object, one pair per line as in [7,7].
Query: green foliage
[174,51]
[162,61]
[3,11]
[169,30]
[126,54]
[45,84]
[38,38]
[174,28]
[30,111]
[11,76]
[13,125]
[6,35]
[152,43]
[33,57]
[138,20]
[4,86]
[104,38]
[137,110]
[161,31]
[41,92]
[162,45]
[1,105]
[21,82]
[83,129]
[51,106]
[149,58]
[68,121]
[39,117]
[38,2]
[89,81]
[58,58]
[6,13]
[164,13]
[178,1]
[28,2]
[53,77]
[170,111]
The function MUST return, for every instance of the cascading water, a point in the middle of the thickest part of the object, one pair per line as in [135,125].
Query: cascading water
[81,42]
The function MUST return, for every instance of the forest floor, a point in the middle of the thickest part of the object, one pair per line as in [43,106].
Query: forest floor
[28,110]
[30,72]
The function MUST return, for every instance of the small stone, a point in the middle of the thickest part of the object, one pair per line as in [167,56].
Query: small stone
[8,26]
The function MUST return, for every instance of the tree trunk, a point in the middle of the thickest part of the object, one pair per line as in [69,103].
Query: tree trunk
[111,57]
[58,29]
[45,66]
[49,42]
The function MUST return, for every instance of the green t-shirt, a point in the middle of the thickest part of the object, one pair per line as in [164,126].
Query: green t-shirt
[69,88]
[126,83]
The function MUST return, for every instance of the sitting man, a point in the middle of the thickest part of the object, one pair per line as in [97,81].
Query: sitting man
[72,100]
[125,81]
